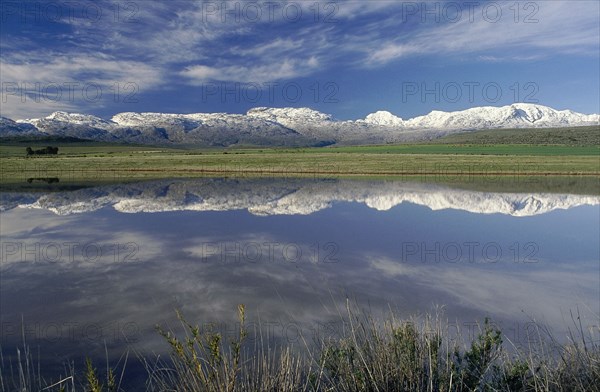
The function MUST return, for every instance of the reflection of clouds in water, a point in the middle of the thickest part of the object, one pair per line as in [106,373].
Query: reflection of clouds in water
[289,197]
[148,293]
[252,248]
[545,292]
[107,295]
[39,237]
[181,263]
[280,294]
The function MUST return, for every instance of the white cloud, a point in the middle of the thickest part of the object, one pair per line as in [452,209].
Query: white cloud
[392,51]
[36,86]
[24,106]
[559,27]
[285,69]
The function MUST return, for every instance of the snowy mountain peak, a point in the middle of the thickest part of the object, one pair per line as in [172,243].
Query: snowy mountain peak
[9,127]
[59,115]
[289,115]
[70,119]
[518,115]
[76,118]
[533,112]
[383,117]
[129,119]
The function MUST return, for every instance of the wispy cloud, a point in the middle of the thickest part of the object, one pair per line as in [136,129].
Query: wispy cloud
[44,83]
[156,44]
[282,70]
[545,29]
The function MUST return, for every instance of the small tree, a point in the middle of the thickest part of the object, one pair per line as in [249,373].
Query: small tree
[48,150]
[51,150]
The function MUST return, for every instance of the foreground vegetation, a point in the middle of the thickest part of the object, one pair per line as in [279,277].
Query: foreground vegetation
[369,355]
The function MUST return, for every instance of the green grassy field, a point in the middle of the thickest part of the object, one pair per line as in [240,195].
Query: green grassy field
[90,161]
[577,136]
[471,149]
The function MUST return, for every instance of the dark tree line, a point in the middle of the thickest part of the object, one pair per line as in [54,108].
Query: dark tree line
[44,151]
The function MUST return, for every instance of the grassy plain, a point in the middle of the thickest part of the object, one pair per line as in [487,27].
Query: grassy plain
[567,152]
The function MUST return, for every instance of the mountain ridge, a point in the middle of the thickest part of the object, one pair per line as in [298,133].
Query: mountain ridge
[289,126]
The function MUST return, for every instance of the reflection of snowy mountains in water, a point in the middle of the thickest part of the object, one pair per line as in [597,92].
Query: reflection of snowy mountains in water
[285,197]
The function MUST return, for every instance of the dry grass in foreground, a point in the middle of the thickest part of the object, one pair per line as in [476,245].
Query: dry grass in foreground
[393,355]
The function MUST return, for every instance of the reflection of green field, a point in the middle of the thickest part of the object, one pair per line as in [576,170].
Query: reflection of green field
[584,185]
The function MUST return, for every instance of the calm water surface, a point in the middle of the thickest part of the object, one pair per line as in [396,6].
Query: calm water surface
[93,270]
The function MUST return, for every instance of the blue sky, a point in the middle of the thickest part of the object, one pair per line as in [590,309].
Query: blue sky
[347,58]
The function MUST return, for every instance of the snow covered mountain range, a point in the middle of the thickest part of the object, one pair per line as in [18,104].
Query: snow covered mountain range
[285,197]
[289,126]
